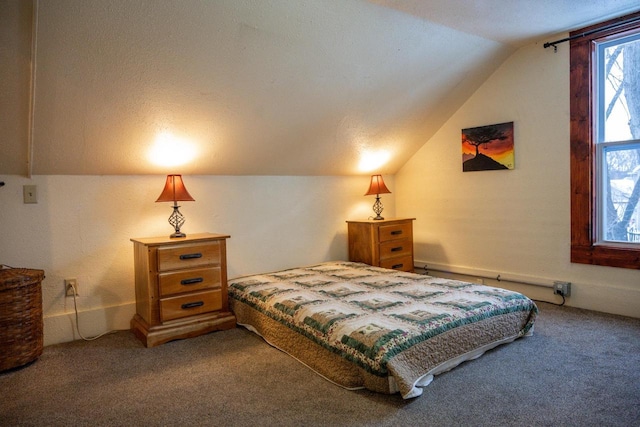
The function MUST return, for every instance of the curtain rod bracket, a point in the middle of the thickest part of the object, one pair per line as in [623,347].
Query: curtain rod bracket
[588,33]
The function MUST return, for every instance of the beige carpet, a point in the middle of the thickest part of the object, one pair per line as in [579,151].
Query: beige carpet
[579,368]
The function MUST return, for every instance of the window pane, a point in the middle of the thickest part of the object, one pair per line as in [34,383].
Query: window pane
[620,193]
[619,89]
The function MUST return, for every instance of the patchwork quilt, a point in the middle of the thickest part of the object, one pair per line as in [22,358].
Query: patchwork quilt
[396,326]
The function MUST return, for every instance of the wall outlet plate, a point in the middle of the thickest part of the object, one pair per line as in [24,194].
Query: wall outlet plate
[562,288]
[30,193]
[69,285]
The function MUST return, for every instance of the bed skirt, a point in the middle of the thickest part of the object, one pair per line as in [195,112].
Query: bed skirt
[409,371]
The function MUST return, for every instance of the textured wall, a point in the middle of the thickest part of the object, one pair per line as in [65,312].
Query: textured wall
[81,228]
[514,223]
[272,87]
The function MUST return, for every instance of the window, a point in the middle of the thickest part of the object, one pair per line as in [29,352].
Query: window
[618,138]
[605,143]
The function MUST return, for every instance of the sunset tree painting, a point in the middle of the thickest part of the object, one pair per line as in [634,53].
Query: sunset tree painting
[488,147]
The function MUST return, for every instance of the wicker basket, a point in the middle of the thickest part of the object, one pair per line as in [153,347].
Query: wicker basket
[20,316]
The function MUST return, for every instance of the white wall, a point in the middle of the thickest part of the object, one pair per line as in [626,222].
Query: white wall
[81,228]
[513,223]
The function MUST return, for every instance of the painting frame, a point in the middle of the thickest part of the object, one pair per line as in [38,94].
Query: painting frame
[489,147]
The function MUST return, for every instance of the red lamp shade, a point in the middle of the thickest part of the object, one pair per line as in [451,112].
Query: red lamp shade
[377,186]
[174,190]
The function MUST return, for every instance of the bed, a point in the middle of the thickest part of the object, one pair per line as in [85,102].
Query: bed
[368,327]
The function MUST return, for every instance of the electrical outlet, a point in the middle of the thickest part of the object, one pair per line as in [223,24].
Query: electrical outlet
[69,285]
[562,288]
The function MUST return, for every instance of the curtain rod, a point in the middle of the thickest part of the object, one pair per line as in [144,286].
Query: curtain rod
[587,33]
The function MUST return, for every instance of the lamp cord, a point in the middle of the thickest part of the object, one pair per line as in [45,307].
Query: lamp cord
[75,307]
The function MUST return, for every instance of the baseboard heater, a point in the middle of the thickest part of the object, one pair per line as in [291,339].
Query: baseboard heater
[484,274]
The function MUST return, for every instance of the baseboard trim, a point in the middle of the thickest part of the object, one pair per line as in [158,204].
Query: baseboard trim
[605,298]
[59,328]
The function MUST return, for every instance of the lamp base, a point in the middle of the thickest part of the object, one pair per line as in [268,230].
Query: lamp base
[377,208]
[176,219]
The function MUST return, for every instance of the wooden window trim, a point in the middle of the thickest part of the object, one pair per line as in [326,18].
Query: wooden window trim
[583,232]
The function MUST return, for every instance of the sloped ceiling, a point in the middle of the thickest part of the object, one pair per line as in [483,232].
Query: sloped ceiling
[514,22]
[270,87]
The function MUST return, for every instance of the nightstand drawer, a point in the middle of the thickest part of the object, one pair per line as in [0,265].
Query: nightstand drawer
[395,231]
[396,248]
[190,304]
[188,256]
[404,263]
[189,280]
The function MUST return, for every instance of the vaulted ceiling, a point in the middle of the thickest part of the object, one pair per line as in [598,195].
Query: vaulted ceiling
[270,87]
[513,22]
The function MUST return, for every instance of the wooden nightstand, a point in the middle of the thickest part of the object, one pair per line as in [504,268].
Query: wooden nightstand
[386,243]
[181,287]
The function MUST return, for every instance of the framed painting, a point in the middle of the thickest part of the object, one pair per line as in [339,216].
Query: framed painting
[488,148]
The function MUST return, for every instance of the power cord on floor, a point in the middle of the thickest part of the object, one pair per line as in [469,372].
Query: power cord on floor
[75,307]
[552,303]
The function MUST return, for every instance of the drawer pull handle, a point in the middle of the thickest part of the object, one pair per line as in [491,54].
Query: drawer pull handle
[191,256]
[396,232]
[191,281]
[396,249]
[396,266]
[192,305]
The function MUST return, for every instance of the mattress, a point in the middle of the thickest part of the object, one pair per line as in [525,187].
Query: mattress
[368,327]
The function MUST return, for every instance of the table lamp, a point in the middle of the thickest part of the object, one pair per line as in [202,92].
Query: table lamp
[175,191]
[377,187]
